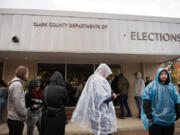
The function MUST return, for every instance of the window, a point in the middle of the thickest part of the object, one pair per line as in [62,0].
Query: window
[77,75]
[46,70]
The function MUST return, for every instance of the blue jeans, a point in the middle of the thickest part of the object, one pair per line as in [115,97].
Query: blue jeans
[138,103]
[123,102]
[33,119]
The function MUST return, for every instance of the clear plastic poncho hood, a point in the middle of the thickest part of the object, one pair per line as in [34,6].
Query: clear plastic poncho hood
[163,99]
[91,112]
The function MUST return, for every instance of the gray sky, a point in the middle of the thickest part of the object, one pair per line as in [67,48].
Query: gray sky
[165,8]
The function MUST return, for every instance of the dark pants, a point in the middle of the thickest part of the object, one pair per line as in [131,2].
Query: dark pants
[123,102]
[160,130]
[53,122]
[15,127]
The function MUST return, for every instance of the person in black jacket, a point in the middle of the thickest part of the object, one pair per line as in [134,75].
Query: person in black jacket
[114,87]
[55,97]
[148,80]
[179,87]
[33,99]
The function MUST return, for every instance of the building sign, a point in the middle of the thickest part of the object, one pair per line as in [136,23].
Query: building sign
[155,36]
[70,25]
[78,34]
[145,36]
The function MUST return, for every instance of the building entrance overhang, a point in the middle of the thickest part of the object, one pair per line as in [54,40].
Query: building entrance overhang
[60,57]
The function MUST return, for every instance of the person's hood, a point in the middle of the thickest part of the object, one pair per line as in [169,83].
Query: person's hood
[115,78]
[158,73]
[139,75]
[57,79]
[33,83]
[103,68]
[121,76]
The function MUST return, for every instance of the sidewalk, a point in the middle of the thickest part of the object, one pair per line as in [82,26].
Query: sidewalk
[129,126]
[125,125]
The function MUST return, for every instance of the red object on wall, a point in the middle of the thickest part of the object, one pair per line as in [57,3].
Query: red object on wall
[177,64]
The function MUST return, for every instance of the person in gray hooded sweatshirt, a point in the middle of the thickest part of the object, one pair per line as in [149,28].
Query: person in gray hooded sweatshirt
[139,86]
[16,102]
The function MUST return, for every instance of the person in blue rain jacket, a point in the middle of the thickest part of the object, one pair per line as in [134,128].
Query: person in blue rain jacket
[161,105]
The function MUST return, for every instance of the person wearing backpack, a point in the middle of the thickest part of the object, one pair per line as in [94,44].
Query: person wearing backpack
[16,102]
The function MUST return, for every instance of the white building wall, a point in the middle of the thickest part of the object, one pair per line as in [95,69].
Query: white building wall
[118,36]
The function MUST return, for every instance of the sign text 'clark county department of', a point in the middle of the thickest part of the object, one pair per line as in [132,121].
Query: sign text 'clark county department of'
[70,25]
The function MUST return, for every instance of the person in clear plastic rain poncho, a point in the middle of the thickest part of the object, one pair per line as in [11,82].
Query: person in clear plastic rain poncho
[95,110]
[161,105]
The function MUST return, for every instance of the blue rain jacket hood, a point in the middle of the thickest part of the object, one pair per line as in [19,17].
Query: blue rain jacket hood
[163,98]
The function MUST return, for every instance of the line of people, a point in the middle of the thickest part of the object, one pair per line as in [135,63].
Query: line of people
[94,111]
[160,106]
[42,109]
[120,85]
